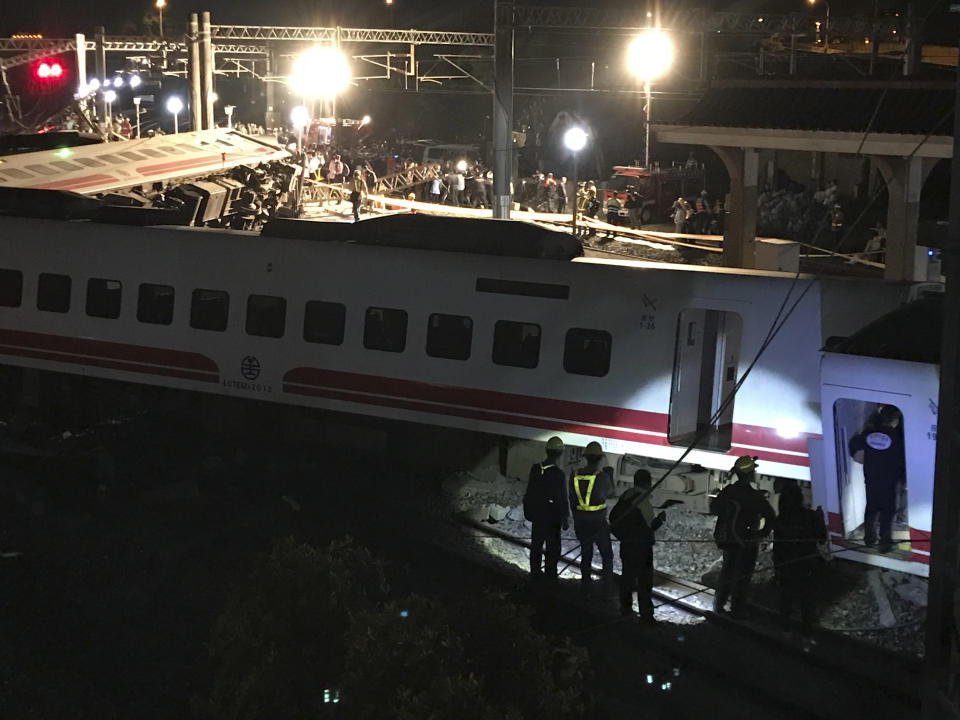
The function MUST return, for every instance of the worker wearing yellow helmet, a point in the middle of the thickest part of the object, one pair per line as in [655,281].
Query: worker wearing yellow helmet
[739,509]
[545,506]
[590,489]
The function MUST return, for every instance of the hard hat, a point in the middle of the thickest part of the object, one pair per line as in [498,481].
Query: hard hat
[745,463]
[593,449]
[554,443]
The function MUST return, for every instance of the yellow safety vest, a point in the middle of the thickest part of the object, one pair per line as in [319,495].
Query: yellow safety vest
[583,503]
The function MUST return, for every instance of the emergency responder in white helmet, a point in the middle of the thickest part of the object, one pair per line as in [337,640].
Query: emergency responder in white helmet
[590,489]
[545,505]
[739,508]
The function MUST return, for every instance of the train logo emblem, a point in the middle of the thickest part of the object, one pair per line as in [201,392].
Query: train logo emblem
[879,441]
[250,367]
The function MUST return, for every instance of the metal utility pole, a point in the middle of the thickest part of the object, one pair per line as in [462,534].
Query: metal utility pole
[502,108]
[941,696]
[206,50]
[193,40]
[100,64]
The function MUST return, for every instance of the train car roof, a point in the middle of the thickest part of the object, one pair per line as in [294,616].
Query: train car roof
[711,269]
[104,167]
[912,332]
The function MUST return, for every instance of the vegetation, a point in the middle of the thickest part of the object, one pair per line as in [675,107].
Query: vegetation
[315,633]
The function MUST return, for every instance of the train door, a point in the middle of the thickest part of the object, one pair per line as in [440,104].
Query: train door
[706,354]
[857,427]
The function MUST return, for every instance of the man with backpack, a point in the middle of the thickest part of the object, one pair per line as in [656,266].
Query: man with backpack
[545,505]
[739,508]
[633,523]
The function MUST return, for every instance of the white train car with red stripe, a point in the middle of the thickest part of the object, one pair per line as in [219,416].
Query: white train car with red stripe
[636,355]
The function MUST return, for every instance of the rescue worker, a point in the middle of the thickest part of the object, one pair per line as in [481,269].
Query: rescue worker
[634,207]
[358,190]
[613,214]
[590,488]
[681,213]
[562,195]
[592,206]
[335,170]
[546,506]
[634,524]
[881,442]
[739,509]
[796,558]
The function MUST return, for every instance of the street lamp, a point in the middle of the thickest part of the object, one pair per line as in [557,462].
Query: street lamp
[136,105]
[826,25]
[228,109]
[174,106]
[575,139]
[161,4]
[649,56]
[108,97]
[300,117]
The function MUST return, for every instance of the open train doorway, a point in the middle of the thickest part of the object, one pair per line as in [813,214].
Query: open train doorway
[706,355]
[869,458]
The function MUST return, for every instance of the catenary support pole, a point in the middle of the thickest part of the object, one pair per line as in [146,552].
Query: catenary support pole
[100,64]
[502,108]
[206,50]
[193,39]
[941,696]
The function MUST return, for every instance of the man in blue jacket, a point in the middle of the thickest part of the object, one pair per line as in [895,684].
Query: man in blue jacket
[545,506]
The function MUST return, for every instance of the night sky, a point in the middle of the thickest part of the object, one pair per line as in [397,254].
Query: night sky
[57,18]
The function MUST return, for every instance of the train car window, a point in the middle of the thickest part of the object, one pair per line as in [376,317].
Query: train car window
[705,360]
[150,152]
[11,288]
[266,315]
[53,292]
[133,156]
[41,169]
[516,344]
[16,173]
[449,336]
[587,352]
[66,166]
[89,162]
[209,309]
[323,322]
[385,329]
[155,304]
[172,149]
[103,298]
[112,159]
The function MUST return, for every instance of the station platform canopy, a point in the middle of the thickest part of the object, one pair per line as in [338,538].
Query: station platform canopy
[869,118]
[904,128]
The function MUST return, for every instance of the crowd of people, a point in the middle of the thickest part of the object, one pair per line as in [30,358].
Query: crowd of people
[744,518]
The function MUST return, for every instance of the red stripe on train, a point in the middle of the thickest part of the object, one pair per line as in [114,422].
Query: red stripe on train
[118,356]
[85,181]
[525,410]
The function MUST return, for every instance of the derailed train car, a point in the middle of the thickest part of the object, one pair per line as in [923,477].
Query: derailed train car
[492,327]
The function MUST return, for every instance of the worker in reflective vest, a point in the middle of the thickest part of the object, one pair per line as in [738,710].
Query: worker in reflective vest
[590,489]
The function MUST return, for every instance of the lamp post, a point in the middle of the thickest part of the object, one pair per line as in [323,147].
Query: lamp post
[320,72]
[826,25]
[300,117]
[160,5]
[575,139]
[174,106]
[136,107]
[649,56]
[109,96]
[228,109]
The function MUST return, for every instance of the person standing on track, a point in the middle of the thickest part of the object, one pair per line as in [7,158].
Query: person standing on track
[634,524]
[739,509]
[358,190]
[546,506]
[796,558]
[881,443]
[590,489]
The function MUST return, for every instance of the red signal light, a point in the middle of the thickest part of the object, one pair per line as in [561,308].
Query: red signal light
[49,70]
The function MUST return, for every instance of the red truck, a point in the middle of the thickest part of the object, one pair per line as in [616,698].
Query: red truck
[659,188]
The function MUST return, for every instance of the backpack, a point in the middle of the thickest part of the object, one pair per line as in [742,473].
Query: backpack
[533,498]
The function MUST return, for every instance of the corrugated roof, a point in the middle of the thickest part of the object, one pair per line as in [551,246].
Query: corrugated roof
[901,108]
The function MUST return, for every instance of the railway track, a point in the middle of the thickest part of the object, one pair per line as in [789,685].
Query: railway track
[839,678]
